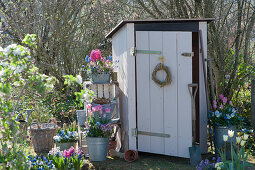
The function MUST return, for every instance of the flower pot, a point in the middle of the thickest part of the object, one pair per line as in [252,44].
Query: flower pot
[65,145]
[108,115]
[218,138]
[131,155]
[81,117]
[101,78]
[97,148]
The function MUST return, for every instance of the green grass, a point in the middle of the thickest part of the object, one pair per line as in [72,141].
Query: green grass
[145,161]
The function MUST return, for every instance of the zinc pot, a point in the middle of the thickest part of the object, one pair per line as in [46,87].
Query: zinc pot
[81,117]
[97,148]
[218,138]
[101,78]
[65,145]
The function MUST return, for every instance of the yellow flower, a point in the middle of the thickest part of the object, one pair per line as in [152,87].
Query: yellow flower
[225,138]
[231,133]
[245,136]
[243,142]
[238,139]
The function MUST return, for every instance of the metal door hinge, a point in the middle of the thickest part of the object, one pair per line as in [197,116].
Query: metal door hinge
[135,132]
[188,54]
[134,51]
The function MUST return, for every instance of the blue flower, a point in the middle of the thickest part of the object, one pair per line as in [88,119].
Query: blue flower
[66,137]
[233,114]
[217,114]
[228,116]
[62,132]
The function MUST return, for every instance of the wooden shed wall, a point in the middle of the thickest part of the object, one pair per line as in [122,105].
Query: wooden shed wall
[122,41]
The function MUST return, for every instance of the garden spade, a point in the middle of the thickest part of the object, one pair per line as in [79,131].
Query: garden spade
[194,151]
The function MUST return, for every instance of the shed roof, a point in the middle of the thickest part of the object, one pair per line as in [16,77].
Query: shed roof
[123,22]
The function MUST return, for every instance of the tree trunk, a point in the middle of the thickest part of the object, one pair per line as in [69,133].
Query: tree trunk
[253,103]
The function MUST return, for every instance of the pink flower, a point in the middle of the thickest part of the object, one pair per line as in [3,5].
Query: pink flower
[108,110]
[94,109]
[221,96]
[90,112]
[99,107]
[214,102]
[221,106]
[68,153]
[95,55]
[104,115]
[230,102]
[89,106]
[101,111]
[224,100]
[214,106]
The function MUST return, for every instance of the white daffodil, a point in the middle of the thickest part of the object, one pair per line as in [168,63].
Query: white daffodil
[245,136]
[238,139]
[225,138]
[231,133]
[79,79]
[243,142]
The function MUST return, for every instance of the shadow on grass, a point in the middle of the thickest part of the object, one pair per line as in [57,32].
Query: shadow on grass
[145,161]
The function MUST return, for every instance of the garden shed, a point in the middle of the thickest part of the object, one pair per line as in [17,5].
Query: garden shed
[156,105]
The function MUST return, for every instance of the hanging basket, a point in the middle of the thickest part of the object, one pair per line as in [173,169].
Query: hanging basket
[42,136]
[101,78]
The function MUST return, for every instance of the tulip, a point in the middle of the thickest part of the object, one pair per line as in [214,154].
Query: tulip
[243,142]
[225,138]
[231,133]
[238,139]
[245,137]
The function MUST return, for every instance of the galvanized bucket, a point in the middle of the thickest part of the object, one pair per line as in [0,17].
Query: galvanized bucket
[81,117]
[218,137]
[97,148]
[101,78]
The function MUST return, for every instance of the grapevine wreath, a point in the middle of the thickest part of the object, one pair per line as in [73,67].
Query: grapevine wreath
[168,78]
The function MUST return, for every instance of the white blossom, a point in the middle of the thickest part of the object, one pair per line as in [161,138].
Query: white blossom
[7,50]
[2,73]
[79,79]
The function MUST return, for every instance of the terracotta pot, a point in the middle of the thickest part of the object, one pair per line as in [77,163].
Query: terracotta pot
[131,155]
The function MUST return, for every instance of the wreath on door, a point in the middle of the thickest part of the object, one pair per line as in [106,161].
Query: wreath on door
[168,78]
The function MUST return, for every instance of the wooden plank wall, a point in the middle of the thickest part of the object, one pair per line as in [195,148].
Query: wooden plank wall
[202,96]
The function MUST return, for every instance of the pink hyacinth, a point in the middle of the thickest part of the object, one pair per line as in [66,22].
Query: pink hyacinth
[221,96]
[108,110]
[68,153]
[89,106]
[95,55]
[214,102]
[230,102]
[215,106]
[224,100]
[221,106]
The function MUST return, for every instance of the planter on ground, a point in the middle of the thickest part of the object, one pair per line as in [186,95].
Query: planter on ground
[97,148]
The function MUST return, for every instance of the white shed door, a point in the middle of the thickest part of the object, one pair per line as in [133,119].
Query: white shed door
[166,110]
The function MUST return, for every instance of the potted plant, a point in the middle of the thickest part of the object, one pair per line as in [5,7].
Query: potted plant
[98,131]
[66,137]
[223,118]
[99,68]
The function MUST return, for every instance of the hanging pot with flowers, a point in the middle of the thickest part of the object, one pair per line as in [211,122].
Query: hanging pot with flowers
[98,68]
[98,131]
[223,118]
